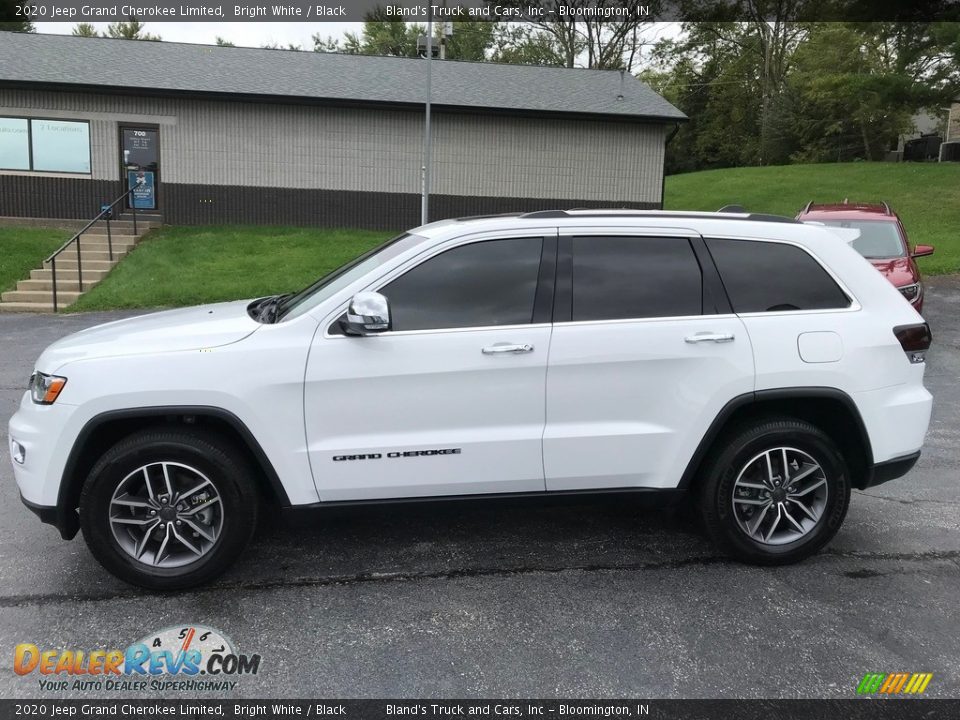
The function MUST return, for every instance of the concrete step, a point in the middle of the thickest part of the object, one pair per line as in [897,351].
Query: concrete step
[33,296]
[46,286]
[64,263]
[90,253]
[27,307]
[68,275]
[114,230]
[102,237]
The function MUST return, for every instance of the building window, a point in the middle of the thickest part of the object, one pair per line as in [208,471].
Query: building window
[14,144]
[45,145]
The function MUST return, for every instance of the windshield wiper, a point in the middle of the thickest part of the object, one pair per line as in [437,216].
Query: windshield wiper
[265,311]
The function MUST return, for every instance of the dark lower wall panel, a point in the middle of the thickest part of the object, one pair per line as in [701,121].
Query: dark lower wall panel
[181,204]
[204,205]
[37,196]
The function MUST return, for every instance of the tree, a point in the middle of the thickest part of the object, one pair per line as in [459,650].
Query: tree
[223,42]
[596,42]
[273,45]
[84,30]
[10,21]
[132,30]
[386,33]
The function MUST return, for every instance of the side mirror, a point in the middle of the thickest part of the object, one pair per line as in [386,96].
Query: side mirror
[368,314]
[922,251]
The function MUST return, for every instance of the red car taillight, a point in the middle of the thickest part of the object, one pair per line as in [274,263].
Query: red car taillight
[915,340]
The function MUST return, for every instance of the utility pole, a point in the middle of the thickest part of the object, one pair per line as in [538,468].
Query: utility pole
[425,170]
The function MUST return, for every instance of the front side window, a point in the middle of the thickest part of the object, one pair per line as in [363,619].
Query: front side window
[635,277]
[483,284]
[771,277]
[45,145]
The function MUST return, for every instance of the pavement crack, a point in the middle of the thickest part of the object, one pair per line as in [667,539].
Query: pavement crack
[451,574]
[906,501]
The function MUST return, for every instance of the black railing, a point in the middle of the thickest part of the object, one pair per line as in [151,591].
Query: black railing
[106,213]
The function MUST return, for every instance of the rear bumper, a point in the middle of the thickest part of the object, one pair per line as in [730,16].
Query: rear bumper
[889,470]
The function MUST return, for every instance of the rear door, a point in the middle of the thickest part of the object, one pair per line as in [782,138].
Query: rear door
[645,352]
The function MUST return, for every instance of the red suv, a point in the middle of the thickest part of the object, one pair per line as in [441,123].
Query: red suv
[882,241]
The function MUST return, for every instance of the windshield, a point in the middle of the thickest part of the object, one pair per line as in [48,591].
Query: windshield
[333,282]
[878,239]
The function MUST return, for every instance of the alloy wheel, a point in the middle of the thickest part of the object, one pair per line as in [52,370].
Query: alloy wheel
[779,496]
[166,514]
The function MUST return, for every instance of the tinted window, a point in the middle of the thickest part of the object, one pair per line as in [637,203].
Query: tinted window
[765,277]
[633,277]
[485,283]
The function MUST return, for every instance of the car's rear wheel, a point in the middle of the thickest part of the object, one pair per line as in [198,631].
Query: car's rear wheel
[774,492]
[169,509]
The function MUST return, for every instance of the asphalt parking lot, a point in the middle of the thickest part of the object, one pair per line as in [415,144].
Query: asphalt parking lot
[592,600]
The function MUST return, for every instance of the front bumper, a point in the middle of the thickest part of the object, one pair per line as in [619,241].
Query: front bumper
[46,435]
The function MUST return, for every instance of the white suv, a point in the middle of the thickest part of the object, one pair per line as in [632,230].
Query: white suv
[757,364]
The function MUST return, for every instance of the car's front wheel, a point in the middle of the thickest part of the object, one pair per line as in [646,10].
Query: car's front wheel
[775,492]
[168,509]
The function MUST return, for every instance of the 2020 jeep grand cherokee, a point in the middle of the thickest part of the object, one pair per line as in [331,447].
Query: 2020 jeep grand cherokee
[755,363]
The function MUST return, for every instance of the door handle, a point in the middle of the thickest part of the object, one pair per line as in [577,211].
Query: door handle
[506,348]
[709,337]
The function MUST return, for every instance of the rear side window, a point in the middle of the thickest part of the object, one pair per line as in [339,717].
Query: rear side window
[771,277]
[635,277]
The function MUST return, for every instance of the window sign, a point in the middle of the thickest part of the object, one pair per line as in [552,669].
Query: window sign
[14,144]
[144,196]
[45,145]
[61,146]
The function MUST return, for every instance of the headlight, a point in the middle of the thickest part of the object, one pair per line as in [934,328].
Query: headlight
[910,292]
[44,389]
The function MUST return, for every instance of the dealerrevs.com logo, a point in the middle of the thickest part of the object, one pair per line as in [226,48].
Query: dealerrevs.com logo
[187,657]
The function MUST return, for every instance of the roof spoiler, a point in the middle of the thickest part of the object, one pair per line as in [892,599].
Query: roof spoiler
[848,235]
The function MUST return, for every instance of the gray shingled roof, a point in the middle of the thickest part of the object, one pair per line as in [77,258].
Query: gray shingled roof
[165,66]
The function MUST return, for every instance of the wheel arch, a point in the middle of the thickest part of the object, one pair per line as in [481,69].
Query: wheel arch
[828,408]
[106,429]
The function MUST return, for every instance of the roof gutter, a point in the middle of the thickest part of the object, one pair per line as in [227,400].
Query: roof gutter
[663,176]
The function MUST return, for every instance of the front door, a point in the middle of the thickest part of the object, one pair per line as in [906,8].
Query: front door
[450,401]
[644,355]
[140,165]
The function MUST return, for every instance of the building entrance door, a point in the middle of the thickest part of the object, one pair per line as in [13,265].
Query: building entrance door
[140,165]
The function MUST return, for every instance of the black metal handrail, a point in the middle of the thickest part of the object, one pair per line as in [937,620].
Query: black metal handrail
[106,213]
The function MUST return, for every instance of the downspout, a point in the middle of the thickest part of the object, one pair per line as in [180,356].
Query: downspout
[663,174]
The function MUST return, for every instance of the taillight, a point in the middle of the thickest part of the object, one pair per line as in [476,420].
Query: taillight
[915,340]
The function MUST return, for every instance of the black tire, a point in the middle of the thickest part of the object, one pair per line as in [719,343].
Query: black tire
[217,459]
[731,456]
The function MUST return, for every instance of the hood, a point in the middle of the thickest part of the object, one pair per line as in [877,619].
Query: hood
[899,271]
[205,326]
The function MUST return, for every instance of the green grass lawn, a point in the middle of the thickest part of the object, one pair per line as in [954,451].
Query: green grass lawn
[193,265]
[925,195]
[22,249]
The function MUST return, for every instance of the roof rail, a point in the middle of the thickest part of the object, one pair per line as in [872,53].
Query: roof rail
[733,209]
[886,208]
[806,208]
[626,212]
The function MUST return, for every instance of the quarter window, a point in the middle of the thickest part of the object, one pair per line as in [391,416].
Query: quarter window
[482,284]
[635,277]
[770,277]
[44,145]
